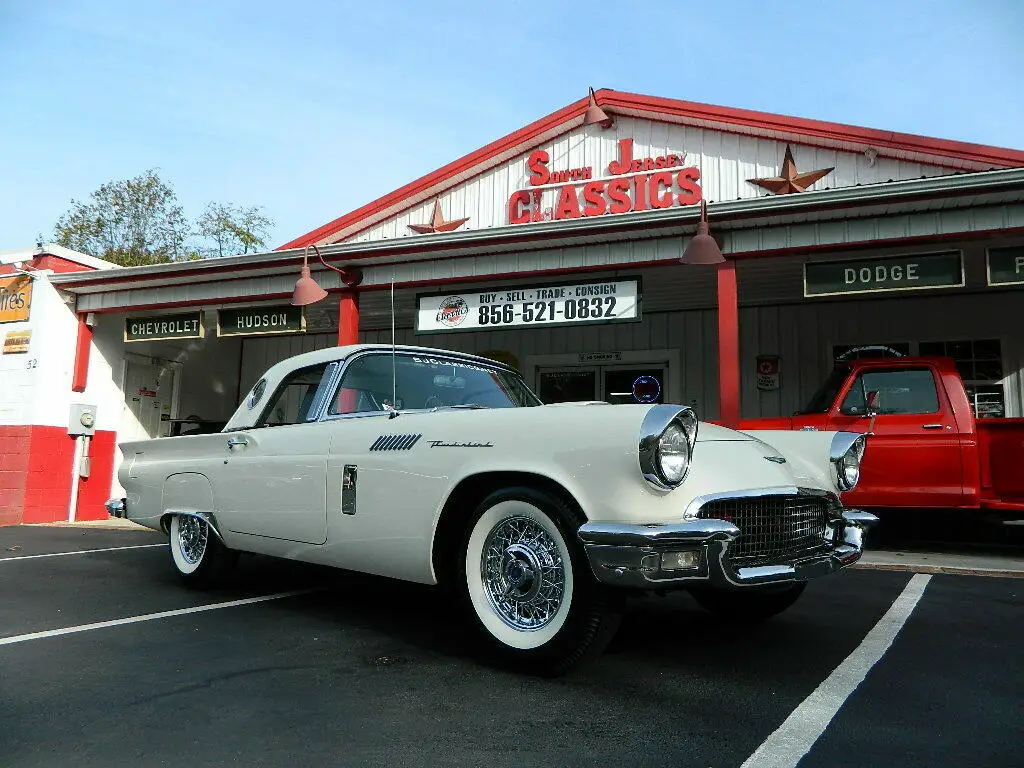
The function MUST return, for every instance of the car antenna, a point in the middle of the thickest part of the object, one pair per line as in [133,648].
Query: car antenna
[394,375]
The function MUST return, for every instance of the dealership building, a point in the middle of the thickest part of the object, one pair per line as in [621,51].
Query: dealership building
[565,249]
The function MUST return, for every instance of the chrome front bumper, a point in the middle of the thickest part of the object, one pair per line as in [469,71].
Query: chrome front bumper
[634,555]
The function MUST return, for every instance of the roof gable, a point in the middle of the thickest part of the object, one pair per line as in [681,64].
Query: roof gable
[755,141]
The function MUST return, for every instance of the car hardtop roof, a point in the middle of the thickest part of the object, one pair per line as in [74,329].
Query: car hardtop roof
[331,354]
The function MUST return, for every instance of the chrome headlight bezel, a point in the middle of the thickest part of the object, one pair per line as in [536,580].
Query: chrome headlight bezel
[846,454]
[658,421]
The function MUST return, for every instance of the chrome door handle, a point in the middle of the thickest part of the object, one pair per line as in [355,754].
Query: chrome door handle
[237,441]
[931,426]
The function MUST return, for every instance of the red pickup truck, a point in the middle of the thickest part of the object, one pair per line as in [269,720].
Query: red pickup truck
[926,447]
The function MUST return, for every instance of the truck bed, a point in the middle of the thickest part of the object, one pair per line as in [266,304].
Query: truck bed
[1001,448]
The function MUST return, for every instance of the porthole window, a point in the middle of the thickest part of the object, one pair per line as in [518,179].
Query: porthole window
[257,394]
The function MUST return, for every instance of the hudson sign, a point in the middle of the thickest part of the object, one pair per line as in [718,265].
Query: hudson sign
[631,184]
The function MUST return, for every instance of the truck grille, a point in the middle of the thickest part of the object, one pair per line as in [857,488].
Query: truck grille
[774,530]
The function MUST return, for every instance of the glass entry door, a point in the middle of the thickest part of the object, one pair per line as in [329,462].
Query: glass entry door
[620,384]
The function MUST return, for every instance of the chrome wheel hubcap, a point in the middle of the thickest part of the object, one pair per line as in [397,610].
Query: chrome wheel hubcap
[523,573]
[192,535]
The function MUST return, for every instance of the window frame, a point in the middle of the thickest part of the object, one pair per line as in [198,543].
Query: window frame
[339,376]
[858,382]
[319,397]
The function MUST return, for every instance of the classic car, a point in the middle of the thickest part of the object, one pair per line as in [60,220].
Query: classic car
[444,468]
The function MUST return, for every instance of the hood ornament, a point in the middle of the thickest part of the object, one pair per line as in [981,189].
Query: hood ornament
[775,459]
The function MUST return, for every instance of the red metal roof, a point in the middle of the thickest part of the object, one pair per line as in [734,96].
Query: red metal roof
[957,155]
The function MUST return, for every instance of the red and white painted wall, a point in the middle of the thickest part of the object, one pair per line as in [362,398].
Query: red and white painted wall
[45,350]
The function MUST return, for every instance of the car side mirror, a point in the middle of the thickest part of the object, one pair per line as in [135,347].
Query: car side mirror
[872,409]
[872,403]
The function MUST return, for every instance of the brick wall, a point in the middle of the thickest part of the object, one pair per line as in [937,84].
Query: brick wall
[35,475]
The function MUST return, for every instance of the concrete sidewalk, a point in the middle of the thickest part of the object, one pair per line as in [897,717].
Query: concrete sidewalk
[110,522]
[973,564]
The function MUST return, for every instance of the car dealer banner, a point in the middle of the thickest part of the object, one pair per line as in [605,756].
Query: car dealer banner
[520,306]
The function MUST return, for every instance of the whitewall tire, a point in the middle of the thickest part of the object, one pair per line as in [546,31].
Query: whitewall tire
[200,558]
[528,584]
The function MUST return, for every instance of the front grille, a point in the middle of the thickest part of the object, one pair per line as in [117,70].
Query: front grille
[774,530]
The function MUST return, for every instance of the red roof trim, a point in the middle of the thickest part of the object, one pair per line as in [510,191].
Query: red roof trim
[940,148]
[906,142]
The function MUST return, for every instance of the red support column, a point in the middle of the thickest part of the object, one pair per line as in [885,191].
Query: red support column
[348,318]
[728,346]
[80,377]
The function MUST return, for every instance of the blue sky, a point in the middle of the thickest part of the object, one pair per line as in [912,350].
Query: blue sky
[312,108]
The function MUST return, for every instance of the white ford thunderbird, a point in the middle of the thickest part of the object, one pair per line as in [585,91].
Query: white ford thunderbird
[440,467]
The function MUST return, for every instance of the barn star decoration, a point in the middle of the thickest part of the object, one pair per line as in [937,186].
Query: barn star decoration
[789,180]
[437,223]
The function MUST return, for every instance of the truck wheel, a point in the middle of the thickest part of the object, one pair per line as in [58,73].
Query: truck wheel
[529,586]
[750,605]
[199,557]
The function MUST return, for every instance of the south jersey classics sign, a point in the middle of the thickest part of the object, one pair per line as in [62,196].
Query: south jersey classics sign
[530,306]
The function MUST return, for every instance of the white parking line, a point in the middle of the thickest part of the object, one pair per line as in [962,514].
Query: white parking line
[147,617]
[79,552]
[795,737]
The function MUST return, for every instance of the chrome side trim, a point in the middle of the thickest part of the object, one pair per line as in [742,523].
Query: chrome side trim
[656,420]
[206,517]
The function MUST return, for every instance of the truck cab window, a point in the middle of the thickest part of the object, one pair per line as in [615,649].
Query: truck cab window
[908,391]
[294,398]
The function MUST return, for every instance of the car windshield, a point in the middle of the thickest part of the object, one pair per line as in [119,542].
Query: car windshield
[378,382]
[826,394]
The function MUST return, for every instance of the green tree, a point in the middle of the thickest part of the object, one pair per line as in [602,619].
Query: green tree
[130,222]
[233,229]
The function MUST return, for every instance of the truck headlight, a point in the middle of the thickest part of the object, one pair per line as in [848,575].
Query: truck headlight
[667,438]
[847,454]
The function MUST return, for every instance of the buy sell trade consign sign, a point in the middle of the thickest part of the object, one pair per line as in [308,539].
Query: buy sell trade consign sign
[531,306]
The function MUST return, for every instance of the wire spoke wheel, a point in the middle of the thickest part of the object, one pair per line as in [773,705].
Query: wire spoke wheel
[193,535]
[523,573]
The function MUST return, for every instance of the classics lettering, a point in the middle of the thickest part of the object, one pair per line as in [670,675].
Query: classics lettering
[597,197]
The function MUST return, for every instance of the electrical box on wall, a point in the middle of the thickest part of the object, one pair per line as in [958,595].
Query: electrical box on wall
[82,420]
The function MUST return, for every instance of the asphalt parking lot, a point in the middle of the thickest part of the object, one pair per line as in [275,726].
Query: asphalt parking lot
[353,670]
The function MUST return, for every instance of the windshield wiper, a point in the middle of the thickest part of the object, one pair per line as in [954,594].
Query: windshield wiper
[462,407]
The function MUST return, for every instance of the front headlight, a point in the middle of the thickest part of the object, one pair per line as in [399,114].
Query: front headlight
[847,454]
[667,438]
[673,454]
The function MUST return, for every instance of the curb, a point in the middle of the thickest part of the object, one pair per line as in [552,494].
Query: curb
[945,570]
[125,525]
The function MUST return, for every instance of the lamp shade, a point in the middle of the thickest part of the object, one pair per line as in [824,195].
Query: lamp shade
[595,115]
[702,248]
[307,290]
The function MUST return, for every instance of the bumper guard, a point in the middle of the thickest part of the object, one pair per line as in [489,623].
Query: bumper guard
[627,555]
